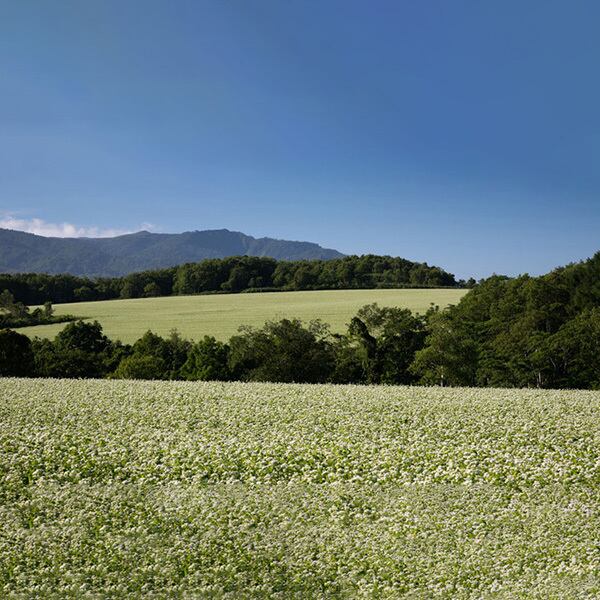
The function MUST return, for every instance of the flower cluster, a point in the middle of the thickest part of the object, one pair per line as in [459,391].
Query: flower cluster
[165,489]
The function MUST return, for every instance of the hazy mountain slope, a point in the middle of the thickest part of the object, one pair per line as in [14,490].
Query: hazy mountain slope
[25,252]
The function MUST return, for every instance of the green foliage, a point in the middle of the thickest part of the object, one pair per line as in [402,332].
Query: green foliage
[154,357]
[232,274]
[285,351]
[48,309]
[15,310]
[84,293]
[141,366]
[7,301]
[16,354]
[207,361]
[449,356]
[572,354]
[349,365]
[16,314]
[80,350]
[525,332]
[522,332]
[152,290]
[387,339]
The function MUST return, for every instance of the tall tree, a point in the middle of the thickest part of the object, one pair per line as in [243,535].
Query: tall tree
[387,339]
[284,351]
[16,355]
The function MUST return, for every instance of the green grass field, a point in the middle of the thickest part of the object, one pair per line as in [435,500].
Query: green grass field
[221,315]
[209,490]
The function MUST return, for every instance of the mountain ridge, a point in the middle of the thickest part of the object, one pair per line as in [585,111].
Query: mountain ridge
[142,250]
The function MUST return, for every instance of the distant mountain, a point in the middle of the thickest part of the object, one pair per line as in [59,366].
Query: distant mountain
[28,253]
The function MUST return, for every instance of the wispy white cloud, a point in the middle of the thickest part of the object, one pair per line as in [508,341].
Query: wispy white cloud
[41,227]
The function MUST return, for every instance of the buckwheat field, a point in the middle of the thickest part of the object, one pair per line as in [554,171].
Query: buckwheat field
[163,489]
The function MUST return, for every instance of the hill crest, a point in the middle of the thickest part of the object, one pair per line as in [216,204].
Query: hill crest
[120,255]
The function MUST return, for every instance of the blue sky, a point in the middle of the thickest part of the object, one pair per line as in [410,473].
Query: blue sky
[465,134]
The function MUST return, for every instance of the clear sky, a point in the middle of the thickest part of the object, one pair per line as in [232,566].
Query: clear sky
[465,134]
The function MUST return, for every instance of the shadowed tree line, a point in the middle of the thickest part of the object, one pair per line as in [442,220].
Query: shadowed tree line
[229,275]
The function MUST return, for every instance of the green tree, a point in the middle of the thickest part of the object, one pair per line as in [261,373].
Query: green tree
[349,366]
[284,351]
[387,339]
[16,310]
[80,350]
[152,290]
[87,337]
[16,355]
[7,301]
[238,279]
[131,287]
[207,361]
[450,356]
[167,355]
[573,352]
[84,294]
[48,310]
[140,366]
[303,278]
[515,357]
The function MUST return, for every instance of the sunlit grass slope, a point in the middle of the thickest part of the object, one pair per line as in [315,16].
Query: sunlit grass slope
[164,489]
[221,315]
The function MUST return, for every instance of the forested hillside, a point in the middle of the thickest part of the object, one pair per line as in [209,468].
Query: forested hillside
[108,257]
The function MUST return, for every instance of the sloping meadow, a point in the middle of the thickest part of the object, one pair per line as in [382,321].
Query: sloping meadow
[118,488]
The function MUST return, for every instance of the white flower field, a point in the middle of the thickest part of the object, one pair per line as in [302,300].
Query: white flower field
[168,489]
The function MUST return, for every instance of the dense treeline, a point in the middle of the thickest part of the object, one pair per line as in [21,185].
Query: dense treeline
[378,348]
[233,274]
[523,332]
[528,331]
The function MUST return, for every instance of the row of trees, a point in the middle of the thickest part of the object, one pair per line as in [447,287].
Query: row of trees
[379,347]
[523,332]
[233,274]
